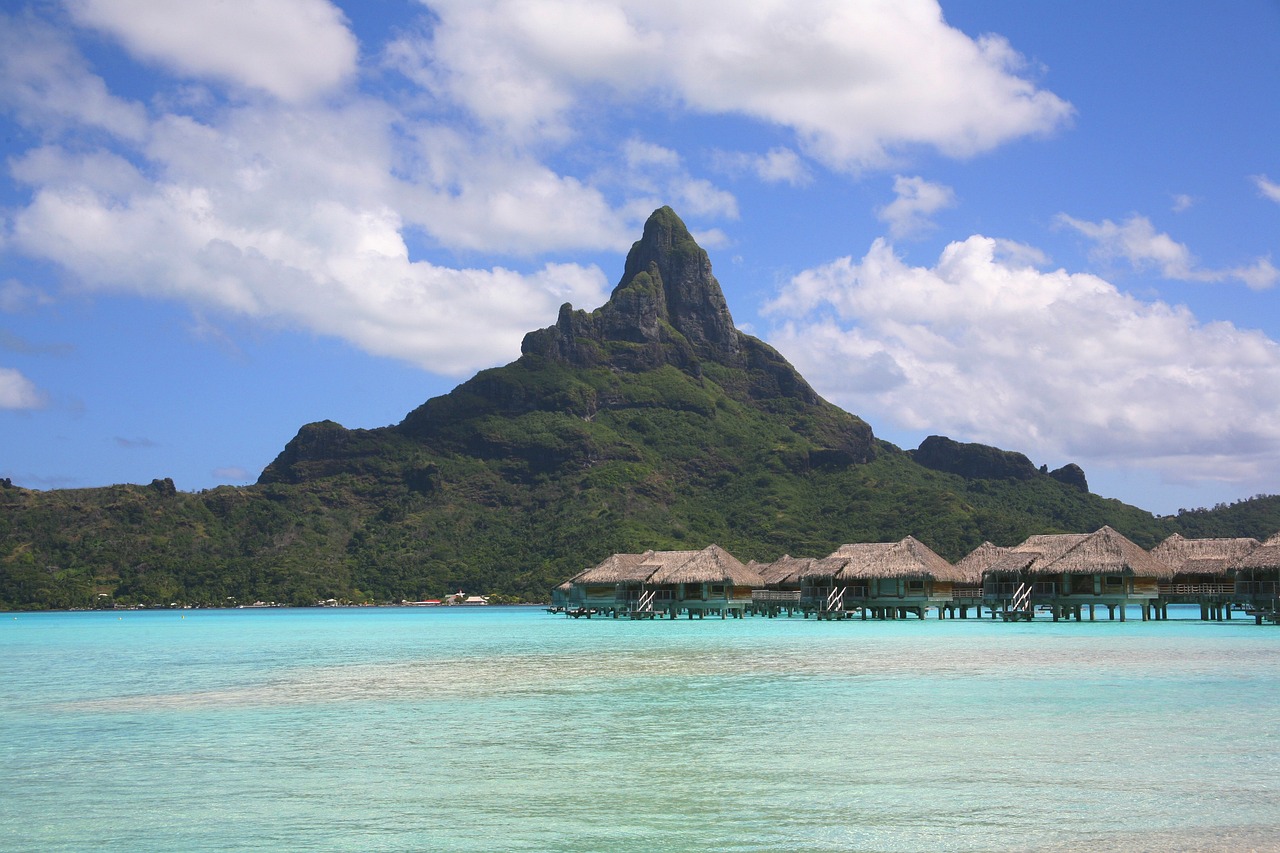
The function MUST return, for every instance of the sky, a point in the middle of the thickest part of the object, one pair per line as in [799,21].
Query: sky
[1051,227]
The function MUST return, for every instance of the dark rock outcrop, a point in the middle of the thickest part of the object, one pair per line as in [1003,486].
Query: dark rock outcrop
[1071,474]
[668,303]
[974,461]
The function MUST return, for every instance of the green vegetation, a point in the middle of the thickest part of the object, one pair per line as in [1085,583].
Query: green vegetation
[648,423]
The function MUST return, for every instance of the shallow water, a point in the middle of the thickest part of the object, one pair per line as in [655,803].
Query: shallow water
[509,729]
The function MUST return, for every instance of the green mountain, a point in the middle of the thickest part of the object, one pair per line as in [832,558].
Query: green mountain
[651,422]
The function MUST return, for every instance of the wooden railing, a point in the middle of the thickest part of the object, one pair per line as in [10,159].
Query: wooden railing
[775,595]
[1197,588]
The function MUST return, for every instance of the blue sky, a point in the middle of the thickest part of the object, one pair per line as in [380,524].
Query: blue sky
[1050,227]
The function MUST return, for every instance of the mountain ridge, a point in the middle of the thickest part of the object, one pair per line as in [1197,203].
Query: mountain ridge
[648,422]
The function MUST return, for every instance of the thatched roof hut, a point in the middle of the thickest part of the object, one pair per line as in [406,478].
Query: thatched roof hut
[712,564]
[977,561]
[1103,552]
[617,568]
[784,570]
[824,568]
[908,558]
[1265,556]
[1203,556]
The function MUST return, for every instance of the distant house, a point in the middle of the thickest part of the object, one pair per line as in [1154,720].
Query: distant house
[1257,579]
[708,581]
[1069,572]
[906,577]
[658,583]
[782,587]
[1204,572]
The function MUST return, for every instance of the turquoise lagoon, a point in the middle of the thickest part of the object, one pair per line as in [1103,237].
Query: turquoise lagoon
[482,729]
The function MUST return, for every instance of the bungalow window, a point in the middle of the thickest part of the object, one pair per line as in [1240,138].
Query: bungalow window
[1113,581]
[717,590]
[915,587]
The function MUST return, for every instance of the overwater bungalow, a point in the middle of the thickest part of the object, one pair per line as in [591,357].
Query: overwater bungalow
[906,577]
[782,587]
[1257,580]
[708,581]
[609,587]
[968,592]
[1066,573]
[822,591]
[1204,572]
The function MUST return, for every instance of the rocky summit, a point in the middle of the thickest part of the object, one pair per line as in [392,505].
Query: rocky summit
[667,313]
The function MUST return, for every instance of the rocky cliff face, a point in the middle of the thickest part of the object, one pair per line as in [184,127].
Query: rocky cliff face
[981,462]
[974,461]
[668,302]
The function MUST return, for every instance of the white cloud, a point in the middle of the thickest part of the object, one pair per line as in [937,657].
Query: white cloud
[659,171]
[917,200]
[776,166]
[293,49]
[310,212]
[340,270]
[49,87]
[1268,188]
[1136,240]
[16,297]
[849,80]
[1058,365]
[1182,203]
[18,392]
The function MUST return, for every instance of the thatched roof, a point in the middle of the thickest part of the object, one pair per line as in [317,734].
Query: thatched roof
[1202,556]
[909,558]
[785,569]
[977,561]
[1034,552]
[617,568]
[824,567]
[712,564]
[1048,547]
[1266,556]
[1104,551]
[1011,562]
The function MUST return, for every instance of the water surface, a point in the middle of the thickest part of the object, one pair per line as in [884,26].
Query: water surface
[484,729]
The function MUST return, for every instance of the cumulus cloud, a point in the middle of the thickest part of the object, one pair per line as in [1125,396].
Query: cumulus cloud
[17,297]
[48,87]
[776,166]
[1268,188]
[341,270]
[341,215]
[1062,365]
[660,172]
[299,214]
[19,392]
[291,48]
[917,200]
[845,78]
[1136,241]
